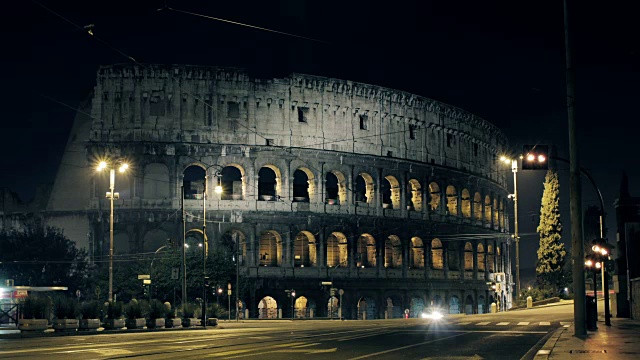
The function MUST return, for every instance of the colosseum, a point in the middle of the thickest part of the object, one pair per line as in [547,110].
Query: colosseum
[393,198]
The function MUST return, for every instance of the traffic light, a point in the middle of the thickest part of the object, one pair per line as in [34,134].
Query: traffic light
[535,157]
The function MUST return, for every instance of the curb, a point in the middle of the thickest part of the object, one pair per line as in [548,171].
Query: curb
[548,346]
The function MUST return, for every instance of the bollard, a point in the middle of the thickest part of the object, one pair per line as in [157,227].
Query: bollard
[246,313]
[529,302]
[311,313]
[279,313]
[386,315]
[494,308]
[340,313]
[364,315]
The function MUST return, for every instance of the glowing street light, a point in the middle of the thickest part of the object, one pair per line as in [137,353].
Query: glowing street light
[111,195]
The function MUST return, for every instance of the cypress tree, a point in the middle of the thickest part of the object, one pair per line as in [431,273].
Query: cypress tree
[551,253]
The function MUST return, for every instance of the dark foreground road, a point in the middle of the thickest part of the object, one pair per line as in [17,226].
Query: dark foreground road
[500,336]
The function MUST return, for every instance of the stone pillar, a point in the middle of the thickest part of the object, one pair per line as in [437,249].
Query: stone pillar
[406,247]
[475,263]
[377,203]
[321,248]
[445,259]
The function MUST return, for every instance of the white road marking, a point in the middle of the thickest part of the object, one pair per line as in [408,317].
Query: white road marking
[566,326]
[544,323]
[464,323]
[563,323]
[405,347]
[502,323]
[523,323]
[483,323]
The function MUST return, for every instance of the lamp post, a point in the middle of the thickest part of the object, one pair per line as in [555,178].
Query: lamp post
[111,195]
[514,169]
[205,244]
[592,264]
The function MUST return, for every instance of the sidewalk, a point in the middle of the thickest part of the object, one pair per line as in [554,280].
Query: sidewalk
[618,341]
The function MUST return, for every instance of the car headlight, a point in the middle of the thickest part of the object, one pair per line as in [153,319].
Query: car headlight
[436,315]
[425,315]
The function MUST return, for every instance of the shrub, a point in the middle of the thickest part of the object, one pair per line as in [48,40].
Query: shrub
[188,310]
[217,311]
[114,310]
[157,310]
[35,307]
[170,312]
[133,310]
[65,308]
[90,309]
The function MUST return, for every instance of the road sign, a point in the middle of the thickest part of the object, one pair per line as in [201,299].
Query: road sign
[341,292]
[144,277]
[146,281]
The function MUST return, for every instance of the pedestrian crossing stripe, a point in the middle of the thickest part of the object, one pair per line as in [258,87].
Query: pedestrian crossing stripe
[502,323]
[523,323]
[544,323]
[483,323]
[464,323]
[563,323]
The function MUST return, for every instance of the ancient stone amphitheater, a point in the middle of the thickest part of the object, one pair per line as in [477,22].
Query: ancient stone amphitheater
[396,199]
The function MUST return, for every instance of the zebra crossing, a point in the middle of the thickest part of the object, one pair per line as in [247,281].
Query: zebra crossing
[507,323]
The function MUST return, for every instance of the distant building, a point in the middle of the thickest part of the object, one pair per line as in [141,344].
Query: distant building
[627,278]
[399,199]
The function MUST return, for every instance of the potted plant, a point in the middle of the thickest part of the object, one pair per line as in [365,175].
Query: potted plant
[133,314]
[114,319]
[90,311]
[171,320]
[34,314]
[65,311]
[157,313]
[189,318]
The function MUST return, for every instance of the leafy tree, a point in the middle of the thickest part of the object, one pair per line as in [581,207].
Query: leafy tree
[551,253]
[42,256]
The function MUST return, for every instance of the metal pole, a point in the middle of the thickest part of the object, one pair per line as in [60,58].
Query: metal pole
[112,180]
[577,253]
[514,169]
[605,282]
[184,251]
[237,278]
[204,252]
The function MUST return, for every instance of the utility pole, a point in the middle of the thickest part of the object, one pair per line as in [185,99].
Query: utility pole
[577,253]
[514,169]
[184,250]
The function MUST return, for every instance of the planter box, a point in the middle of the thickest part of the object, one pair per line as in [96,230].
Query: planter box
[155,323]
[135,323]
[212,322]
[114,324]
[89,324]
[190,322]
[33,324]
[173,323]
[66,325]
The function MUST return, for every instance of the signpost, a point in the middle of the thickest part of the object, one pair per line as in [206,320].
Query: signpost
[340,292]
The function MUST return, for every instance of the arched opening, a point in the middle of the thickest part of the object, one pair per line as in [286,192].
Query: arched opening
[234,245]
[453,256]
[417,253]
[302,185]
[452,200]
[466,204]
[337,250]
[270,249]
[391,192]
[268,183]
[495,212]
[365,188]
[154,240]
[121,244]
[301,309]
[437,261]
[487,209]
[232,183]
[304,250]
[481,304]
[366,251]
[393,252]
[267,308]
[415,190]
[416,307]
[333,305]
[336,188]
[193,182]
[394,307]
[437,302]
[156,181]
[434,197]
[468,257]
[490,258]
[454,305]
[468,305]
[477,207]
[481,258]
[366,307]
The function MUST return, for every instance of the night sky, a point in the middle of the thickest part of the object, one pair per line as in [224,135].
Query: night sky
[501,60]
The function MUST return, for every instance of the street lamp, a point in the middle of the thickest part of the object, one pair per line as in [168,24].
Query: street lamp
[591,263]
[514,169]
[111,195]
[205,247]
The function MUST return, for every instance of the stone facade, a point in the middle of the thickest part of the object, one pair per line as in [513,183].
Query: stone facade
[395,198]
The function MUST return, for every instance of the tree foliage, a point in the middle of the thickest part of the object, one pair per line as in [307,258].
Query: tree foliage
[42,256]
[551,253]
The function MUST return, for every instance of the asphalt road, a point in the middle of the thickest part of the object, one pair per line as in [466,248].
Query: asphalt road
[509,335]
